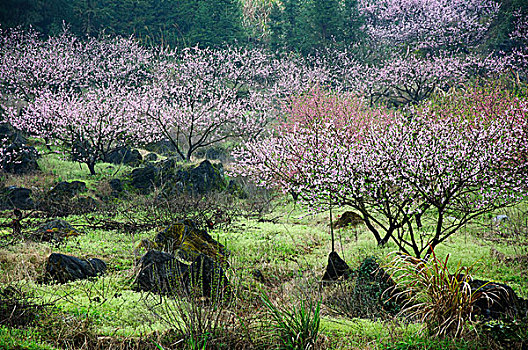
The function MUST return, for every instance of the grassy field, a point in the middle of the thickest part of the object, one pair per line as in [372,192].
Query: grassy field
[287,248]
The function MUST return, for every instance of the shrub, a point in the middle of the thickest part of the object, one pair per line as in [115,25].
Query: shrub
[441,299]
[297,327]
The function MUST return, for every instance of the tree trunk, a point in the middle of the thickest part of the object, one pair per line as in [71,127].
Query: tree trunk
[91,167]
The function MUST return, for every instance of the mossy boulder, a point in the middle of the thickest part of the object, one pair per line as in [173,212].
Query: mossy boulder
[187,241]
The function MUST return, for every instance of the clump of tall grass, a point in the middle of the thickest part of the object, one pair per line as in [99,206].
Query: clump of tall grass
[297,327]
[441,299]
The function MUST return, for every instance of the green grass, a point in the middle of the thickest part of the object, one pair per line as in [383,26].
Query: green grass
[18,339]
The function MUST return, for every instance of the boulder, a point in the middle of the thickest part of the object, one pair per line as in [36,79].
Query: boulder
[66,190]
[374,284]
[214,153]
[124,155]
[16,197]
[172,178]
[368,293]
[337,268]
[188,242]
[19,158]
[207,277]
[497,300]
[162,273]
[144,179]
[203,178]
[348,218]
[8,132]
[237,188]
[117,187]
[64,268]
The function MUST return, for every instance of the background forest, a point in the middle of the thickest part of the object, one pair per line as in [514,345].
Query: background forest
[299,25]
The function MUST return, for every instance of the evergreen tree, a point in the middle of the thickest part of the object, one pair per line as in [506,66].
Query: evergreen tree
[216,22]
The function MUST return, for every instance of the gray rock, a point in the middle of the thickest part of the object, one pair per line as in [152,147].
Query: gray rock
[144,179]
[162,273]
[64,268]
[55,231]
[16,197]
[124,155]
[67,190]
[163,147]
[501,219]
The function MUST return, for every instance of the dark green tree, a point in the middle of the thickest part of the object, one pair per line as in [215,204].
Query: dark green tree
[287,25]
[216,22]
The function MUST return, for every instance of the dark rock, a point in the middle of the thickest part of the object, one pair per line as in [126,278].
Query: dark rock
[67,190]
[144,179]
[124,155]
[19,158]
[336,268]
[8,132]
[86,204]
[369,293]
[173,178]
[117,187]
[348,218]
[237,189]
[63,268]
[207,277]
[373,283]
[22,159]
[497,300]
[217,153]
[188,242]
[214,153]
[16,197]
[161,272]
[167,170]
[203,178]
[64,199]
[151,157]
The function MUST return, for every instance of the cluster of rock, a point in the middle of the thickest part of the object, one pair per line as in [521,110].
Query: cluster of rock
[192,263]
[64,198]
[54,231]
[172,177]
